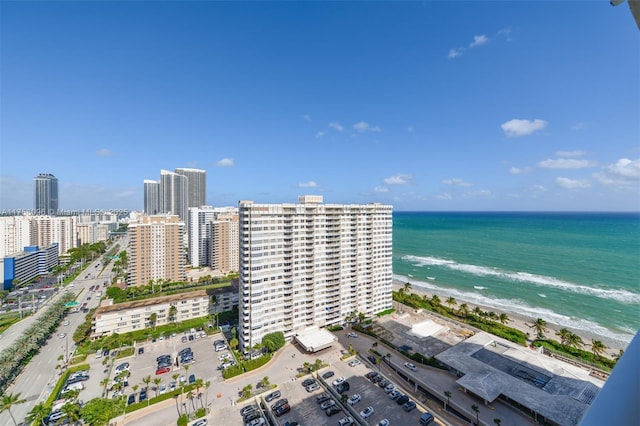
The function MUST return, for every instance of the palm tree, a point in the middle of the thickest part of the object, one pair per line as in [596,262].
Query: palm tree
[463,310]
[37,414]
[172,313]
[146,380]
[206,393]
[435,300]
[540,326]
[617,356]
[9,400]
[451,301]
[72,411]
[504,318]
[598,348]
[564,334]
[156,383]
[575,341]
[407,287]
[448,395]
[477,312]
[497,421]
[476,410]
[152,320]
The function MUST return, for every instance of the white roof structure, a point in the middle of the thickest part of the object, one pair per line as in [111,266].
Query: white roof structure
[315,339]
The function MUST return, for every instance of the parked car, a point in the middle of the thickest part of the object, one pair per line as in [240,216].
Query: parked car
[332,410]
[409,405]
[322,398]
[143,395]
[352,334]
[346,421]
[327,404]
[328,375]
[402,399]
[272,396]
[140,351]
[343,387]
[172,386]
[338,381]
[201,422]
[248,408]
[395,394]
[312,387]
[279,403]
[355,398]
[163,370]
[384,422]
[354,362]
[366,412]
[410,366]
[308,382]
[131,399]
[192,379]
[282,410]
[426,418]
[390,388]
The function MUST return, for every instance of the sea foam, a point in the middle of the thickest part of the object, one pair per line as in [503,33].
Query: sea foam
[619,295]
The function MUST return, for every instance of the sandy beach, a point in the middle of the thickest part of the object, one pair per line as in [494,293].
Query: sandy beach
[523,323]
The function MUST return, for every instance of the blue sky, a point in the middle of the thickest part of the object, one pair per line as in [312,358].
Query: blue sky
[423,105]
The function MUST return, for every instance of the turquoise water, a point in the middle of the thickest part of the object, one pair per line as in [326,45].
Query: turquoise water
[579,270]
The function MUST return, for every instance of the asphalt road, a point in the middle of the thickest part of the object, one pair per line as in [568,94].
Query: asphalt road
[37,380]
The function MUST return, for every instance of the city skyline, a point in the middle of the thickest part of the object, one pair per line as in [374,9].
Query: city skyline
[424,106]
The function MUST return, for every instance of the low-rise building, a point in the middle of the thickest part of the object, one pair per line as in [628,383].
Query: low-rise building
[24,266]
[124,317]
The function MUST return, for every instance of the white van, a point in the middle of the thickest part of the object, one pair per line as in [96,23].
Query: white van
[73,386]
[99,353]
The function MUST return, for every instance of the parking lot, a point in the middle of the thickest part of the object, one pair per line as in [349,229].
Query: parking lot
[204,366]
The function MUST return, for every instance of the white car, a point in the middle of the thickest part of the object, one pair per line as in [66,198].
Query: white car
[163,388]
[354,362]
[355,398]
[410,366]
[352,334]
[384,422]
[62,335]
[366,412]
[224,356]
[346,421]
[338,381]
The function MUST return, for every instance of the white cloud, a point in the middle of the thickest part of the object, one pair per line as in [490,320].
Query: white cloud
[479,40]
[456,182]
[519,171]
[565,163]
[454,53]
[567,183]
[320,134]
[380,189]
[538,188]
[480,193]
[517,127]
[622,172]
[336,125]
[104,152]
[444,196]
[577,126]
[363,126]
[575,153]
[399,179]
[306,117]
[310,184]
[225,162]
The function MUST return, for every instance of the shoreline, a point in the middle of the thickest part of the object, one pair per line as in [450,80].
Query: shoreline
[522,322]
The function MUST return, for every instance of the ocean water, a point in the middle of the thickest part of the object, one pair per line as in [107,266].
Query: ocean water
[578,270]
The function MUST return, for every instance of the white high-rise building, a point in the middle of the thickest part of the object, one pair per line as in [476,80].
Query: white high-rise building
[46,230]
[151,197]
[196,186]
[205,239]
[311,265]
[15,234]
[173,194]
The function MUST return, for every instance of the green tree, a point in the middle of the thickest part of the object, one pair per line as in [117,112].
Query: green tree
[146,380]
[246,391]
[264,382]
[274,341]
[598,348]
[463,310]
[156,384]
[435,300]
[38,413]
[451,301]
[72,411]
[172,313]
[233,343]
[98,411]
[540,326]
[504,318]
[407,287]
[9,400]
[476,410]
[152,320]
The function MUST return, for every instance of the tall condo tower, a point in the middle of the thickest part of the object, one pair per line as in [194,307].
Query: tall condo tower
[311,265]
[151,197]
[173,194]
[45,194]
[196,186]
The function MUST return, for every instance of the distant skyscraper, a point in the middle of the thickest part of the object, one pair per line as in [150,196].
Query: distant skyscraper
[196,186]
[173,194]
[151,197]
[45,194]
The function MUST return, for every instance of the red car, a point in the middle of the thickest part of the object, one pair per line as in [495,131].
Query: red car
[162,370]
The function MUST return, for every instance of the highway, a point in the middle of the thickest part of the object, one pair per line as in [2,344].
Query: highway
[38,378]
